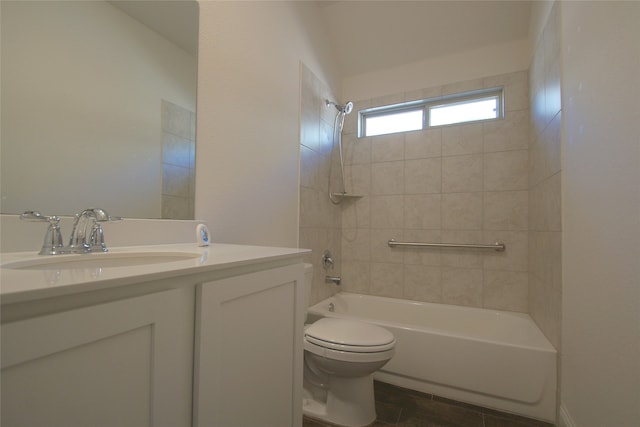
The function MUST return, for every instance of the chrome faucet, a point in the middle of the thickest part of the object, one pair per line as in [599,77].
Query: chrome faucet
[327,260]
[87,234]
[327,263]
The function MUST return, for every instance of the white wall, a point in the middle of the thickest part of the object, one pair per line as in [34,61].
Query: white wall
[539,13]
[81,93]
[478,63]
[601,214]
[248,116]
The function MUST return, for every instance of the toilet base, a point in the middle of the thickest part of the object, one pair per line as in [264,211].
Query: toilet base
[349,402]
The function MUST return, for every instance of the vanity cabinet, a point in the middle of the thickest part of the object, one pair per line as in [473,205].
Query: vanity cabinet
[120,363]
[248,364]
[218,345]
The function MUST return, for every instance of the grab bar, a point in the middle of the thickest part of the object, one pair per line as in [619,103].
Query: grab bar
[497,246]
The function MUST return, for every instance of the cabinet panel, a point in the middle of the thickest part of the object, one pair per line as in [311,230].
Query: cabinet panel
[124,363]
[62,388]
[249,350]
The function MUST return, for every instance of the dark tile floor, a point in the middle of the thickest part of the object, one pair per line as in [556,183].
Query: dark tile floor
[401,407]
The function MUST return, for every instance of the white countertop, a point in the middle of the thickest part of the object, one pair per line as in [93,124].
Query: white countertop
[21,285]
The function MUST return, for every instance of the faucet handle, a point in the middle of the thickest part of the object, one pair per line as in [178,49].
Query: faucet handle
[52,244]
[327,260]
[96,238]
[36,216]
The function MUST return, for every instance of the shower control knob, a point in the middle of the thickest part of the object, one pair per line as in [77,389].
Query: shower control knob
[327,261]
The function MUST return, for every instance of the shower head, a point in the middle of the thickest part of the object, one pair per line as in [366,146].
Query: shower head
[344,109]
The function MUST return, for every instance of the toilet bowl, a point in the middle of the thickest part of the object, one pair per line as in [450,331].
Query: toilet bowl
[340,357]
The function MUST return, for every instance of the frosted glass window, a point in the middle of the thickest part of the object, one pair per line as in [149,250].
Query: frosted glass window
[465,111]
[484,104]
[402,121]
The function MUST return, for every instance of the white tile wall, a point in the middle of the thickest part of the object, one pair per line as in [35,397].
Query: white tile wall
[320,220]
[462,183]
[478,182]
[545,182]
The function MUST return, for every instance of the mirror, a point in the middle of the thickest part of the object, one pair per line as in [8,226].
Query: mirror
[98,107]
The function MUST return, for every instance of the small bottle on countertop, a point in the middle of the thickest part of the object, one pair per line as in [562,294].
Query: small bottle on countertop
[202,235]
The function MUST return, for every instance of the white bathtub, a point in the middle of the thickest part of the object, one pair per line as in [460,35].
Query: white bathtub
[494,359]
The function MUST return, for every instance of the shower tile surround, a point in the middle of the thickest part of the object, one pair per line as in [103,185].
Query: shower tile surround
[545,145]
[466,183]
[320,220]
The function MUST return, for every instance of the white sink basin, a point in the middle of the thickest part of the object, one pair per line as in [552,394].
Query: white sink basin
[100,260]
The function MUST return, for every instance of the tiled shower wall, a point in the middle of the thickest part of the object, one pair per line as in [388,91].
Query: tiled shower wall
[320,220]
[461,183]
[545,227]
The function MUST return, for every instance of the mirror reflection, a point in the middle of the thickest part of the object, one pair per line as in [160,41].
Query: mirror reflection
[98,107]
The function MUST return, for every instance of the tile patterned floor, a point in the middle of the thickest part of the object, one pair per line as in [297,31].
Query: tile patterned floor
[401,407]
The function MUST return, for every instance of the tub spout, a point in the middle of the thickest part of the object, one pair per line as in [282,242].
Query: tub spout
[333,279]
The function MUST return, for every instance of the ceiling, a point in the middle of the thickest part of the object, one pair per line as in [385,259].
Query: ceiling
[176,20]
[371,35]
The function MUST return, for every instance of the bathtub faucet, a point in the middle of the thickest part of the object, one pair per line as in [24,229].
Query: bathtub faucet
[333,279]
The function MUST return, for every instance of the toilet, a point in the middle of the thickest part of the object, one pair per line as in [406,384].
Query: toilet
[340,357]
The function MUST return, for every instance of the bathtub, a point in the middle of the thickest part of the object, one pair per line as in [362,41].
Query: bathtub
[494,359]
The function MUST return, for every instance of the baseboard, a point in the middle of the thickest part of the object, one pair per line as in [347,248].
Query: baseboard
[565,419]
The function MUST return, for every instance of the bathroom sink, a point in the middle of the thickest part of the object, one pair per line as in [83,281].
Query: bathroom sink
[100,260]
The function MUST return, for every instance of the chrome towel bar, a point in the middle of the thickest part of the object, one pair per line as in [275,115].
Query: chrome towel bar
[497,246]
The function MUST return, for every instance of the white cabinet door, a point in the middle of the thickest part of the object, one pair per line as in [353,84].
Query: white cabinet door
[122,363]
[249,350]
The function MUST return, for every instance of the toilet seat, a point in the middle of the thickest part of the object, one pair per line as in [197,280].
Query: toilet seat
[349,336]
[348,356]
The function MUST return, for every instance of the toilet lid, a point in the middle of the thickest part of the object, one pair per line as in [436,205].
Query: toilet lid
[349,335]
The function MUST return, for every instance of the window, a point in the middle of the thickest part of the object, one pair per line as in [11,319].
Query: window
[464,111]
[459,108]
[391,122]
